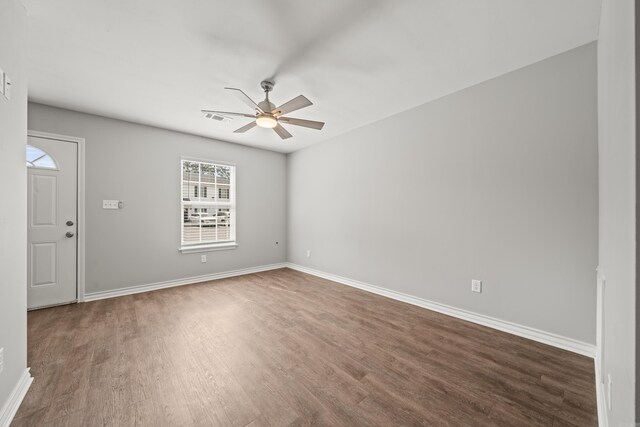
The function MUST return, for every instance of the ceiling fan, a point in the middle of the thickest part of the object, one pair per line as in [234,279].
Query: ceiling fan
[267,115]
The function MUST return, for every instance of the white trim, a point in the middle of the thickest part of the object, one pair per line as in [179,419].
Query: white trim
[54,136]
[600,339]
[93,296]
[81,233]
[80,226]
[600,388]
[601,399]
[208,248]
[203,160]
[12,404]
[231,205]
[548,338]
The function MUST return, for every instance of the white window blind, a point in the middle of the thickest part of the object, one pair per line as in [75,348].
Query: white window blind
[208,203]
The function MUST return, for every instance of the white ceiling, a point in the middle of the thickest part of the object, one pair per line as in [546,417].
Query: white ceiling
[159,62]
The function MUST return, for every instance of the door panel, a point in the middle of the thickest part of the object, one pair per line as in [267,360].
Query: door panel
[44,199]
[52,244]
[44,264]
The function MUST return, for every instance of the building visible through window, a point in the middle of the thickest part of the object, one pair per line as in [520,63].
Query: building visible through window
[208,203]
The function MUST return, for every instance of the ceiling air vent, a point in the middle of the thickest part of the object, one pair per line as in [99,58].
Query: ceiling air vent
[217,117]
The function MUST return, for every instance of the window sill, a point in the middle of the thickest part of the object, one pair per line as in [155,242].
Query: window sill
[208,248]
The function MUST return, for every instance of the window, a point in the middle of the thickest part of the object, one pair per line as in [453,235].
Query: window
[208,219]
[36,158]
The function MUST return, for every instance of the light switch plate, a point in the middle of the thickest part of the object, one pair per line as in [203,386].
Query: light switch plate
[110,204]
[1,81]
[7,86]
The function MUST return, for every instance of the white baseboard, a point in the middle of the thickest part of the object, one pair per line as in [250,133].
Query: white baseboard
[502,325]
[93,296]
[548,338]
[12,404]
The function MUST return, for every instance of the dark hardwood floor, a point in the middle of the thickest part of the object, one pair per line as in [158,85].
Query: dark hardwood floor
[284,348]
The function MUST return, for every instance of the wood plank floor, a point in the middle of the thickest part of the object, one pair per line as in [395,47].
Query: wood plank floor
[284,348]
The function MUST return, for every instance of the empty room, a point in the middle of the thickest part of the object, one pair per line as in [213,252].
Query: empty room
[331,213]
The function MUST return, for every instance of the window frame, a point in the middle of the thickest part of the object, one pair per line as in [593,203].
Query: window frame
[232,206]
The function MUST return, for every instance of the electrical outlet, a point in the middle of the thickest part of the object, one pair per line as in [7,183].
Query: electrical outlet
[308,253]
[476,285]
[1,359]
[203,258]
[609,390]
[1,82]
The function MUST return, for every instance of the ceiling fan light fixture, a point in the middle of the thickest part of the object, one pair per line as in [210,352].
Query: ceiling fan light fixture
[266,121]
[266,114]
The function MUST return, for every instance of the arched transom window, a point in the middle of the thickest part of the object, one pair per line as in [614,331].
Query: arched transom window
[36,158]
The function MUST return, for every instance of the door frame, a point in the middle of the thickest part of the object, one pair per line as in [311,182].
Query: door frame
[80,230]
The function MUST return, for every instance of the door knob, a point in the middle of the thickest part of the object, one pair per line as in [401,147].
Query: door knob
[69,223]
[69,234]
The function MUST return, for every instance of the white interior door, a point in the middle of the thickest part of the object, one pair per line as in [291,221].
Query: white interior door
[52,209]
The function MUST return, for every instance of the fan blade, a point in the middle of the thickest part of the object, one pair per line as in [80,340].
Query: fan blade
[292,105]
[245,128]
[227,113]
[301,122]
[282,132]
[245,98]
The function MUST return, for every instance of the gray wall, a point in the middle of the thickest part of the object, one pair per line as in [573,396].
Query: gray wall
[616,147]
[497,182]
[140,165]
[13,207]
